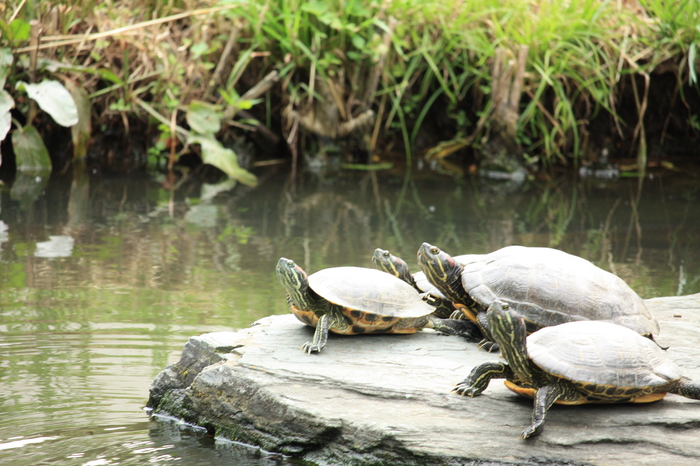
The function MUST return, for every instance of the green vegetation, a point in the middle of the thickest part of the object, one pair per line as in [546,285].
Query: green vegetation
[206,71]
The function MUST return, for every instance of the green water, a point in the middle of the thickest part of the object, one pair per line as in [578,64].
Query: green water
[103,279]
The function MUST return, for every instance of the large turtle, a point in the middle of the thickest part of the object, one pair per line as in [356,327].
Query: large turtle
[576,363]
[544,286]
[387,262]
[356,300]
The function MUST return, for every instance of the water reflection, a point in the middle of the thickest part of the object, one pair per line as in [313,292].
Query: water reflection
[103,279]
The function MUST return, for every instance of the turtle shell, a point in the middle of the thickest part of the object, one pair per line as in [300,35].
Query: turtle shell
[425,286]
[605,361]
[549,287]
[369,291]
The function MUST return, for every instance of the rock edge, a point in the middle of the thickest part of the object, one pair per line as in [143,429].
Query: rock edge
[385,399]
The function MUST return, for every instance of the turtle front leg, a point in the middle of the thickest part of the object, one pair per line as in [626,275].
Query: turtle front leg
[481,375]
[687,388]
[320,335]
[544,399]
[464,328]
[332,319]
[487,343]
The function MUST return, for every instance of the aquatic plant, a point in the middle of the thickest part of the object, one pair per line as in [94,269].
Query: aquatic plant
[376,71]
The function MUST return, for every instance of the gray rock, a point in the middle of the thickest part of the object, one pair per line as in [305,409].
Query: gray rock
[385,399]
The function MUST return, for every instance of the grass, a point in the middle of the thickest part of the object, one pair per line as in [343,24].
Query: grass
[406,59]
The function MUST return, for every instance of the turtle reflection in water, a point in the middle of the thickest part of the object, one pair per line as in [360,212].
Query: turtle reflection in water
[576,363]
[356,300]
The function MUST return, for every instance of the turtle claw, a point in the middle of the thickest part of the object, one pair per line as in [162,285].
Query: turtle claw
[488,345]
[459,315]
[465,389]
[309,348]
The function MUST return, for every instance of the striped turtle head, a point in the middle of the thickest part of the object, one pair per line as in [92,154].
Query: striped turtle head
[294,280]
[508,330]
[442,271]
[387,262]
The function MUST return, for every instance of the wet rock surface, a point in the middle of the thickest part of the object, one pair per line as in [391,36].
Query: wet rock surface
[385,399]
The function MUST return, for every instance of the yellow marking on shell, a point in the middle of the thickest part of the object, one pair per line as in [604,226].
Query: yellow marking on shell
[530,393]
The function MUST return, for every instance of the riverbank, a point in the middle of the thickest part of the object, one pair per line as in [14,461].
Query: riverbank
[553,82]
[385,399]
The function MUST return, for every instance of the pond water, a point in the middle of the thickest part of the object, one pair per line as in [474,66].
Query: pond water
[104,278]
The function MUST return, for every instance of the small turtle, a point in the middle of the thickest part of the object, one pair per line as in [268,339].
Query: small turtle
[356,300]
[544,286]
[387,262]
[576,363]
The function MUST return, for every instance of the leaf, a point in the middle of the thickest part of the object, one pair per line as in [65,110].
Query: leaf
[19,30]
[691,64]
[54,99]
[203,118]
[5,63]
[315,7]
[358,41]
[30,152]
[6,104]
[222,158]
[82,130]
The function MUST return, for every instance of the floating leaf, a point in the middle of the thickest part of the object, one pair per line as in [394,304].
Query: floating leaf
[54,99]
[30,152]
[203,118]
[222,158]
[83,129]
[6,104]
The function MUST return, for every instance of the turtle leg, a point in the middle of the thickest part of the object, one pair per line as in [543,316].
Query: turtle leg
[687,388]
[487,343]
[544,399]
[479,378]
[320,335]
[464,328]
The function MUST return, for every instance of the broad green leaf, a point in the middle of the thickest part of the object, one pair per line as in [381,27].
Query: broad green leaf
[203,118]
[315,7]
[6,104]
[358,41]
[5,63]
[30,152]
[54,99]
[222,158]
[19,29]
[82,130]
[198,50]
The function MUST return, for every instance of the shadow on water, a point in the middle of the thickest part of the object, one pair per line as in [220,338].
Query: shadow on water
[103,278]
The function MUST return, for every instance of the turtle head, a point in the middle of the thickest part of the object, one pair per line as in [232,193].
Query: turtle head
[442,271]
[508,330]
[293,279]
[387,262]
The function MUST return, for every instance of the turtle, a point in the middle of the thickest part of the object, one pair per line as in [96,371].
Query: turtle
[544,286]
[387,262]
[358,300]
[576,363]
